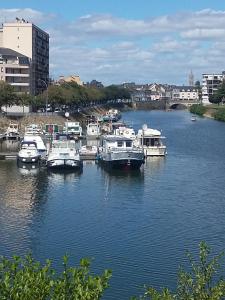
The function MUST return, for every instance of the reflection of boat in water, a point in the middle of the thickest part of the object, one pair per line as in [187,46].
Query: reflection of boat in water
[154,164]
[28,169]
[62,175]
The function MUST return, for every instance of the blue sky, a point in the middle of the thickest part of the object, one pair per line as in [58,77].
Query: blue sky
[115,41]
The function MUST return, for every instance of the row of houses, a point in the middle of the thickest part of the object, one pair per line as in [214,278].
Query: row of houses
[157,91]
[194,93]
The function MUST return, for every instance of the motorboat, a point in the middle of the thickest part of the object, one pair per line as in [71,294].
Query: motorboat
[119,152]
[193,118]
[12,131]
[64,155]
[88,151]
[126,132]
[28,152]
[74,129]
[41,148]
[93,130]
[150,140]
[33,129]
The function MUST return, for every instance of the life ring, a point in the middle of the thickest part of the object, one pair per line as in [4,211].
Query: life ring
[127,132]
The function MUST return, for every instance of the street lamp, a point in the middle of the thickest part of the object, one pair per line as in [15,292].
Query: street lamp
[46,100]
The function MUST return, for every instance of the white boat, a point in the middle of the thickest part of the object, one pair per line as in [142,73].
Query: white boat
[125,132]
[73,129]
[33,129]
[193,119]
[64,155]
[119,152]
[28,152]
[12,131]
[88,151]
[150,140]
[93,130]
[39,142]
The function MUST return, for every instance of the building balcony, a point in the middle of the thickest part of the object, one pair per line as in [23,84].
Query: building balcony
[16,75]
[19,83]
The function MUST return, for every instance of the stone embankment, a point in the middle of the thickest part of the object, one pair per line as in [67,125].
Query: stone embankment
[51,118]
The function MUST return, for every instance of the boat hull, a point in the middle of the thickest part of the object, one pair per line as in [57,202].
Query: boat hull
[122,164]
[155,151]
[120,160]
[64,164]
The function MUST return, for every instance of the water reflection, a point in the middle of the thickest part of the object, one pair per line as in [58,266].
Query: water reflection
[61,176]
[154,164]
[9,145]
[28,169]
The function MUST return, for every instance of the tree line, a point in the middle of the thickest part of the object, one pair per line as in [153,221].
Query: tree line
[70,94]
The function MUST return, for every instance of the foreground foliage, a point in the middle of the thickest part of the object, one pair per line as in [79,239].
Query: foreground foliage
[200,283]
[198,109]
[26,279]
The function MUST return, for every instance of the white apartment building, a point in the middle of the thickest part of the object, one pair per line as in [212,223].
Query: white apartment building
[210,83]
[187,93]
[15,70]
[31,41]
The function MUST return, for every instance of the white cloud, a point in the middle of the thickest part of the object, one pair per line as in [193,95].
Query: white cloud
[114,50]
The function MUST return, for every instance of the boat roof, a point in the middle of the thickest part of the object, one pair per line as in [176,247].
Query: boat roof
[114,138]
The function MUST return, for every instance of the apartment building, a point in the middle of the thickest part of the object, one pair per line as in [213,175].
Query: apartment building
[210,83]
[32,42]
[187,93]
[15,70]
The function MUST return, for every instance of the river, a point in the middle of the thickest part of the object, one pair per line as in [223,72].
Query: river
[137,224]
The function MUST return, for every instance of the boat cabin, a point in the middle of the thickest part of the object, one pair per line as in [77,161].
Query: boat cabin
[113,142]
[73,128]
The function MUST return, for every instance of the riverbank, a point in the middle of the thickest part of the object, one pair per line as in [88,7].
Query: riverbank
[216,112]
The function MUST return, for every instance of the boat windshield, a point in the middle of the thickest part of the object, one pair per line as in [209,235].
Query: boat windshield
[63,144]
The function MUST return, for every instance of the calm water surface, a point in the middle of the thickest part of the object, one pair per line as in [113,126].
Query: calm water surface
[137,224]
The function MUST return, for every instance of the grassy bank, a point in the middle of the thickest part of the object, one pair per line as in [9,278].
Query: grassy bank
[216,112]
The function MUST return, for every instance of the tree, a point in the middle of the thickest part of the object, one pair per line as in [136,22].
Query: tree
[26,279]
[200,283]
[7,94]
[219,94]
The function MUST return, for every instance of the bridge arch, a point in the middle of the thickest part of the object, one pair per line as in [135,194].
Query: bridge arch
[178,106]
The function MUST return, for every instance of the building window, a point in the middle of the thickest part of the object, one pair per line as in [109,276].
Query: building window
[120,143]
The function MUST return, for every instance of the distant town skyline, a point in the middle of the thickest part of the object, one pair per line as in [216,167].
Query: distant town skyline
[120,41]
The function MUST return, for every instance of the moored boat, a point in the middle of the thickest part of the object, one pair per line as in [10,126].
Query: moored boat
[120,152]
[64,155]
[150,140]
[93,130]
[28,152]
[12,131]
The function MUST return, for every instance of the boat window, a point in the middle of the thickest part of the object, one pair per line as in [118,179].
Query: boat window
[128,144]
[120,143]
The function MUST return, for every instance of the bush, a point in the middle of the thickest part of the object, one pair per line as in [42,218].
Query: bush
[26,279]
[200,283]
[220,115]
[198,109]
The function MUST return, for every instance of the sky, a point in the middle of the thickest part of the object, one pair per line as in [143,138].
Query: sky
[116,41]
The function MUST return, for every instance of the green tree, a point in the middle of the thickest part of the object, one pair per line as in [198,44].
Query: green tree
[200,283]
[219,95]
[26,279]
[7,94]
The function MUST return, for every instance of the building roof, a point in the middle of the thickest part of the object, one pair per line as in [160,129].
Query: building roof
[10,52]
[185,88]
